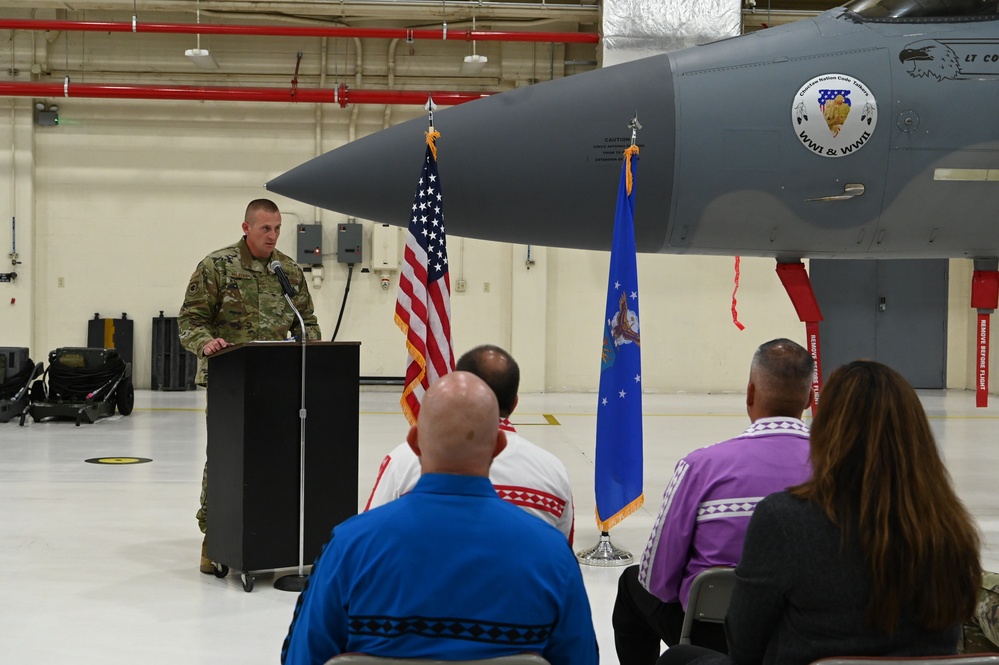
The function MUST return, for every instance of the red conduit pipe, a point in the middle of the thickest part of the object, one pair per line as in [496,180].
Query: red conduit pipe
[302,31]
[341,95]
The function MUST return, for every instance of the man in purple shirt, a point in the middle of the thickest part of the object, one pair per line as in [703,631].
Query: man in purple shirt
[708,502]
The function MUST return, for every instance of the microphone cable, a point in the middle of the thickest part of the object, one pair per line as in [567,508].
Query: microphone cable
[346,290]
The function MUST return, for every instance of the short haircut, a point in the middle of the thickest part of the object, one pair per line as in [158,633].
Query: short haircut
[265,205]
[782,371]
[498,369]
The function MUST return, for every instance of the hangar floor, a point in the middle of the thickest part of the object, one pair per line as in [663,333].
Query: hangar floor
[100,561]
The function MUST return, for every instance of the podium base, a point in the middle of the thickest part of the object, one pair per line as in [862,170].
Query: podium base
[604,553]
[291,582]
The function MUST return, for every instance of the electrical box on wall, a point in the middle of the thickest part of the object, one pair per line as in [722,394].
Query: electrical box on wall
[349,238]
[47,118]
[310,244]
[384,247]
[46,115]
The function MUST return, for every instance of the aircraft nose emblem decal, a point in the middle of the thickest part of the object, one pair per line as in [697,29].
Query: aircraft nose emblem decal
[928,57]
[953,59]
[835,105]
[834,115]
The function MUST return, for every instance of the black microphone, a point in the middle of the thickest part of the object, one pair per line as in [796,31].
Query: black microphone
[283,278]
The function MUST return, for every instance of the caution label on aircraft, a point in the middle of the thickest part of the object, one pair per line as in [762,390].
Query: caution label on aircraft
[834,115]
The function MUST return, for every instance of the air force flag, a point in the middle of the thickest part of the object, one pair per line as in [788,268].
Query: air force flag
[618,483]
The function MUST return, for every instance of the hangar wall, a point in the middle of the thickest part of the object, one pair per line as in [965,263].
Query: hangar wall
[123,198]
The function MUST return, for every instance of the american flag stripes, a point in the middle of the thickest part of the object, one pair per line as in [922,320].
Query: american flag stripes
[423,307]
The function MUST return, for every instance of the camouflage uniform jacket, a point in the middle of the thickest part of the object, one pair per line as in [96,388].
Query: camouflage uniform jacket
[238,298]
[987,611]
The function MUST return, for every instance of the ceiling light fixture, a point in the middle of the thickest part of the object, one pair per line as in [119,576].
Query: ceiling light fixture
[473,64]
[201,58]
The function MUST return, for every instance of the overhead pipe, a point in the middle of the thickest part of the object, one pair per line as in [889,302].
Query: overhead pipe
[341,95]
[400,10]
[387,117]
[317,212]
[302,31]
[358,81]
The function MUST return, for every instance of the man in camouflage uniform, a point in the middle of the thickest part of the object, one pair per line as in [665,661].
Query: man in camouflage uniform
[234,297]
[981,633]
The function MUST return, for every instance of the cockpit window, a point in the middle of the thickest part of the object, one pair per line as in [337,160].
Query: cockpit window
[910,9]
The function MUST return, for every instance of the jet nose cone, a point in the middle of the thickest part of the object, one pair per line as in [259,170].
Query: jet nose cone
[535,165]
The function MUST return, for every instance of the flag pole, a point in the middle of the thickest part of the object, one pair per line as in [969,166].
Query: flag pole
[430,107]
[605,553]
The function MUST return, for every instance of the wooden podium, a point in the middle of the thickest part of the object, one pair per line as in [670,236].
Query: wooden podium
[254,448]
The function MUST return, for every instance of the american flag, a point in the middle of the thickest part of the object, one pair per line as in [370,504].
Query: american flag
[826,95]
[423,308]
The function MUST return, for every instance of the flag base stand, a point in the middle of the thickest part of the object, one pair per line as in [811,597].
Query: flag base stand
[604,553]
[291,582]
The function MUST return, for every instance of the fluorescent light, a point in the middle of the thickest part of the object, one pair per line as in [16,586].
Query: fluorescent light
[201,58]
[473,64]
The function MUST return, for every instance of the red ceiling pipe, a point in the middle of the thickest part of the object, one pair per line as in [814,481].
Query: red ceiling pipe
[347,96]
[303,31]
[341,95]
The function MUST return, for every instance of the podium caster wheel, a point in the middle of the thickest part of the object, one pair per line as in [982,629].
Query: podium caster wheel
[248,580]
[220,570]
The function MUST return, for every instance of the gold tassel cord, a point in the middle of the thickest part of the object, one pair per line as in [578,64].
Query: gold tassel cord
[633,150]
[432,137]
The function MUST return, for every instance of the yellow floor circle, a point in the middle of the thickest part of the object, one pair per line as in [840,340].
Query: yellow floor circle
[118,460]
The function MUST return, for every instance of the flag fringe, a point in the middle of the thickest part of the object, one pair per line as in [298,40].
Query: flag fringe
[432,137]
[633,150]
[735,304]
[619,516]
[409,387]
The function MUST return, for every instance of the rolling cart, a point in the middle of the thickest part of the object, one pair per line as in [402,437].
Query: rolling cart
[15,390]
[83,384]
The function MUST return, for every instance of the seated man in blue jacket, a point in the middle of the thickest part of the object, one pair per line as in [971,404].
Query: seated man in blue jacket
[449,571]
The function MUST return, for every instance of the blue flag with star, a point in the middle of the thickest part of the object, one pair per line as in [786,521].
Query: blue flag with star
[618,484]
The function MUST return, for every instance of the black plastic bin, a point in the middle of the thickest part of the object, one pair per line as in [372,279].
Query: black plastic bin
[174,367]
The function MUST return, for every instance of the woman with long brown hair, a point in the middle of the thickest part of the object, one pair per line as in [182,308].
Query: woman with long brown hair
[873,556]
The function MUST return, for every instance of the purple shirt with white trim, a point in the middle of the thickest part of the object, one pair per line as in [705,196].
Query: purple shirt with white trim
[710,498]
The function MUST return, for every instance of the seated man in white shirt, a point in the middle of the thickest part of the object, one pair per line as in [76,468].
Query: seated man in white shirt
[523,474]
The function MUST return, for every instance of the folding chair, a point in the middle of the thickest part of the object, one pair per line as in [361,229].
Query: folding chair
[968,659]
[525,658]
[708,600]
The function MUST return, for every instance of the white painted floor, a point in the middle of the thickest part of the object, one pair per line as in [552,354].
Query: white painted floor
[100,562]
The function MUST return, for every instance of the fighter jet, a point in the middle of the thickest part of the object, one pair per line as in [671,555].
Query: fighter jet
[870,130]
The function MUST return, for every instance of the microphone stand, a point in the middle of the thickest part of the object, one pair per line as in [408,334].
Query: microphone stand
[297,582]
